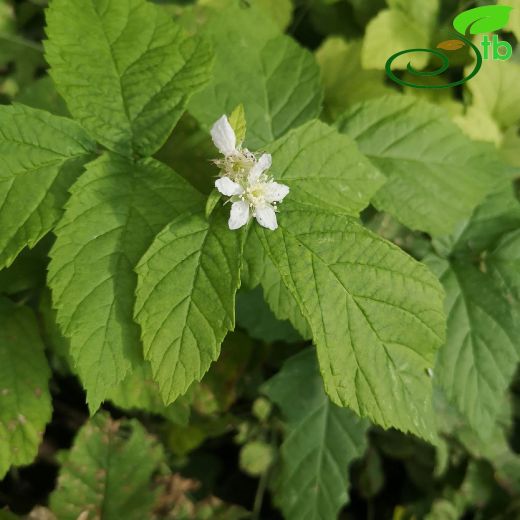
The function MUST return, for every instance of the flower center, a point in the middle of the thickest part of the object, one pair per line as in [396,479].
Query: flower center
[256,194]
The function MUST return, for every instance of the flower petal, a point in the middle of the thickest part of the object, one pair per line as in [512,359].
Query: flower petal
[224,137]
[275,192]
[239,215]
[266,217]
[228,187]
[263,164]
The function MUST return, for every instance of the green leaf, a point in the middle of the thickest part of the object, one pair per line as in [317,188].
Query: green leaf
[41,156]
[497,214]
[321,441]
[478,361]
[495,91]
[255,316]
[485,19]
[408,24]
[108,472]
[25,402]
[276,80]
[116,209]
[42,94]
[503,264]
[138,391]
[344,81]
[125,69]
[375,314]
[324,169]
[435,174]
[280,11]
[237,120]
[258,269]
[185,300]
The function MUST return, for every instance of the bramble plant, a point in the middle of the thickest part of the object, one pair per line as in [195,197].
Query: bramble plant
[187,170]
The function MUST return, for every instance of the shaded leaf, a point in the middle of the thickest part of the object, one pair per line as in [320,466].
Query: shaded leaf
[25,401]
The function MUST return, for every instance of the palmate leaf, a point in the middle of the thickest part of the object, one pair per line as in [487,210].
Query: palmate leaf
[321,441]
[435,174]
[40,157]
[185,299]
[25,402]
[108,472]
[375,314]
[277,81]
[125,69]
[115,210]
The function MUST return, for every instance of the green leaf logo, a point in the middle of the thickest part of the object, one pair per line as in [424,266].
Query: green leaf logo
[485,19]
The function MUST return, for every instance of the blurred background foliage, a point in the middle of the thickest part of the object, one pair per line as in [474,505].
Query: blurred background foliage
[220,443]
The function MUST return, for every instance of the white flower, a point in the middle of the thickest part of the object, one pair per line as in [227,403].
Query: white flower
[255,197]
[237,161]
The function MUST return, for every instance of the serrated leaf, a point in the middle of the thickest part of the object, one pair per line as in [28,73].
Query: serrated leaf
[321,441]
[25,402]
[108,472]
[125,69]
[258,269]
[436,176]
[185,299]
[324,169]
[115,210]
[375,313]
[485,19]
[478,361]
[276,80]
[40,156]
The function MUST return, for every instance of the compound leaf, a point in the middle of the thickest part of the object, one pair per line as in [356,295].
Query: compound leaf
[125,69]
[116,209]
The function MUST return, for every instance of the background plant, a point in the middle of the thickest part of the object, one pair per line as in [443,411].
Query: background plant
[359,361]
